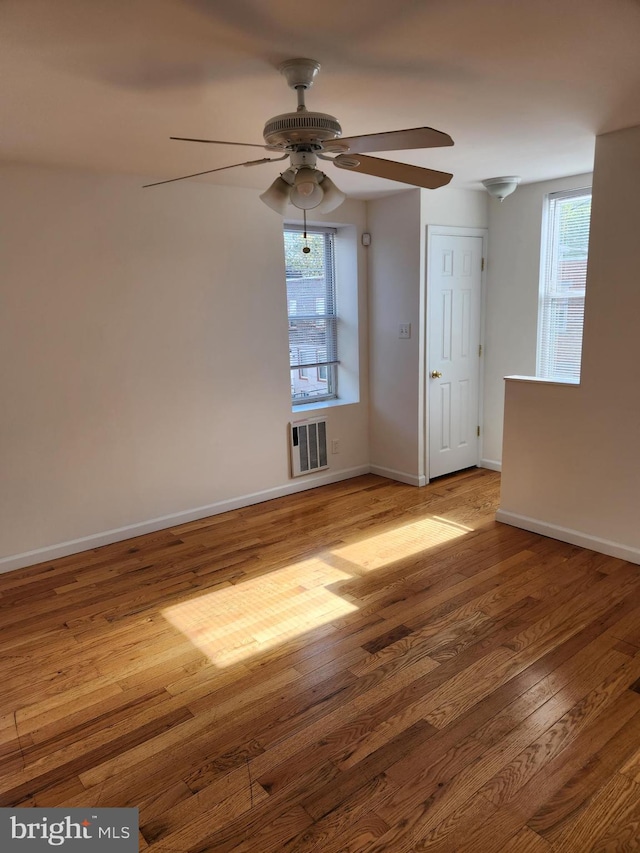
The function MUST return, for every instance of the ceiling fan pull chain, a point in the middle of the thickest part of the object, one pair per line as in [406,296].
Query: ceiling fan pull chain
[305,248]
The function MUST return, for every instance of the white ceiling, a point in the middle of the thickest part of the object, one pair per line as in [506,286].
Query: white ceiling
[522,86]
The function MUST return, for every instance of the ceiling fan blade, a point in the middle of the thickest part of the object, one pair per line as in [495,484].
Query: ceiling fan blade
[219,142]
[397,140]
[219,169]
[393,171]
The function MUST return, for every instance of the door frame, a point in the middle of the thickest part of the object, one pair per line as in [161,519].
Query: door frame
[449,231]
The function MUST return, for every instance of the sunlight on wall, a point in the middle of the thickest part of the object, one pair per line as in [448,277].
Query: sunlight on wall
[237,622]
[375,552]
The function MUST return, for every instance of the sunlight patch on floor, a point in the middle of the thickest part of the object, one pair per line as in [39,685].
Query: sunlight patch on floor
[238,621]
[407,540]
[242,620]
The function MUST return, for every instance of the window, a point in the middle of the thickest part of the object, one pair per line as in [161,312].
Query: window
[565,244]
[313,322]
[322,372]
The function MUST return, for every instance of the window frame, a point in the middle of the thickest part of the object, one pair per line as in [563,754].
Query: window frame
[329,299]
[552,302]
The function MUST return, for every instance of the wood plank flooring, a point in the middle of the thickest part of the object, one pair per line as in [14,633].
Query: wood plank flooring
[361,668]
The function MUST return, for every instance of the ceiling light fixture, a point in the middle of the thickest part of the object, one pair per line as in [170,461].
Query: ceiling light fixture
[500,188]
[307,189]
[306,193]
[332,198]
[277,195]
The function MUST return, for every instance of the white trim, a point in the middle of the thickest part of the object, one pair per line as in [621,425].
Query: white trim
[491,464]
[454,231]
[119,534]
[400,476]
[574,537]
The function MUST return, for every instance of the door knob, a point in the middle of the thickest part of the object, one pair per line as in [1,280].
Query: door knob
[435,374]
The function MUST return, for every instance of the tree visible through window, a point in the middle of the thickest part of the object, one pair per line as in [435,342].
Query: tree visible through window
[562,289]
[312,314]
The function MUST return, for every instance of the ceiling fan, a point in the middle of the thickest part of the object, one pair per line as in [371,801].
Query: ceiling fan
[303,137]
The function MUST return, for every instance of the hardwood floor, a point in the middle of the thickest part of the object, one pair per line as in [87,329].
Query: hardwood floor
[364,667]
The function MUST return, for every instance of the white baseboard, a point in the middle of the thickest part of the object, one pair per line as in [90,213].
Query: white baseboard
[573,537]
[400,476]
[491,464]
[119,534]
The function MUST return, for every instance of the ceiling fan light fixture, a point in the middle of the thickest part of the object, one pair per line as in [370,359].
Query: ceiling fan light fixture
[306,181]
[500,188]
[306,193]
[277,195]
[311,190]
[333,197]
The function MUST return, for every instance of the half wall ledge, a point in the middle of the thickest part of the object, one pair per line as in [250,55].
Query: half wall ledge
[541,381]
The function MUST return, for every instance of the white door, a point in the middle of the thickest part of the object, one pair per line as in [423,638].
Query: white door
[453,347]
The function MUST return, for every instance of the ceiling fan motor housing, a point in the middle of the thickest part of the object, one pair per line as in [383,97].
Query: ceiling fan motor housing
[301,128]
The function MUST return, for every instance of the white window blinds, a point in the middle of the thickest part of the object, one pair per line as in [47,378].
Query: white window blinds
[562,291]
[313,323]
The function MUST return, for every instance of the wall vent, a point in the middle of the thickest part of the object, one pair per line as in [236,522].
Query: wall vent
[308,443]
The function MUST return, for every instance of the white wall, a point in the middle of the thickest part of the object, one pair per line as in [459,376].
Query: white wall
[397,294]
[460,208]
[144,356]
[571,465]
[513,275]
[394,364]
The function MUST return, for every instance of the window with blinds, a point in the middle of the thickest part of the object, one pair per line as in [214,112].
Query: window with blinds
[565,247]
[313,323]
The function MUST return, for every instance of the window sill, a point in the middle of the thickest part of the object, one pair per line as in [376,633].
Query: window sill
[322,404]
